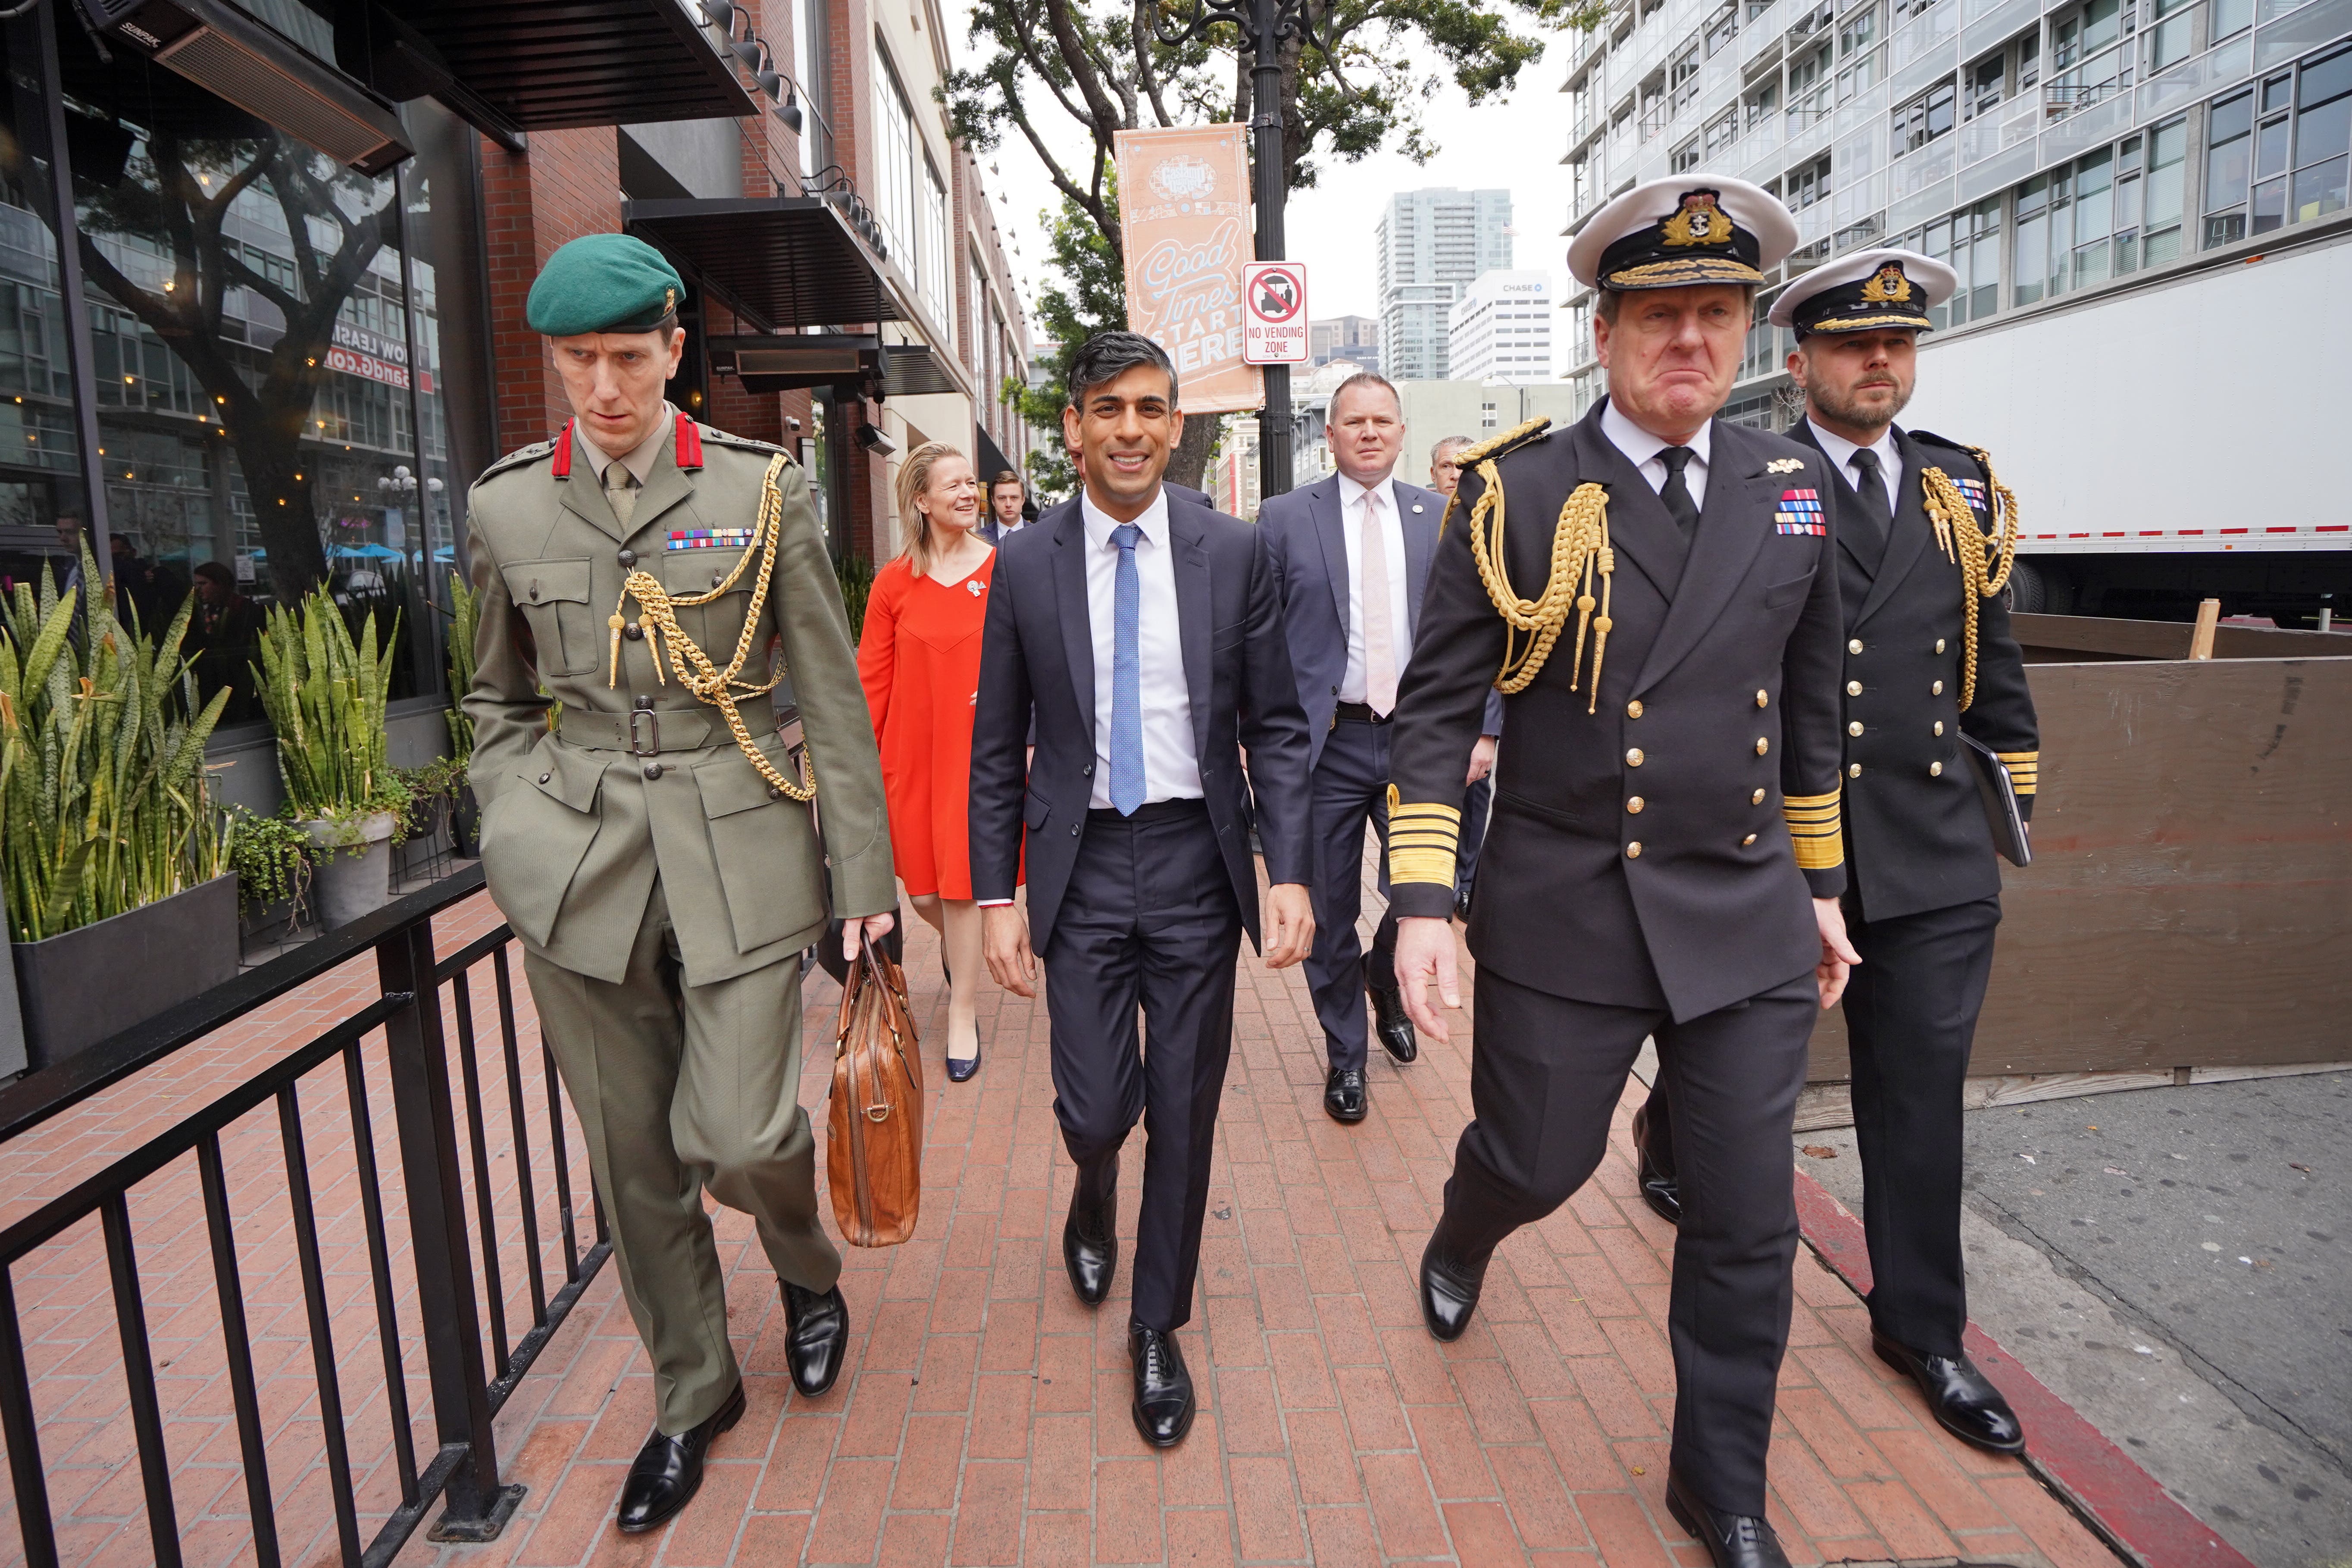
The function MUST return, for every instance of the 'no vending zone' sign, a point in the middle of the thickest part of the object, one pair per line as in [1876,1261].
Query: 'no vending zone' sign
[1273,312]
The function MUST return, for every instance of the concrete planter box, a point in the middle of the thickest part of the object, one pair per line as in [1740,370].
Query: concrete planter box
[81,986]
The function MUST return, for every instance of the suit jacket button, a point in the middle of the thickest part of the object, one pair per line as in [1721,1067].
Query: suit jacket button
[1853,729]
[1634,850]
[1935,770]
[544,777]
[1853,688]
[1088,769]
[1635,805]
[1756,799]
[653,770]
[1854,646]
[1633,709]
[1854,770]
[1633,758]
[1763,745]
[633,632]
[628,558]
[1747,841]
[1074,830]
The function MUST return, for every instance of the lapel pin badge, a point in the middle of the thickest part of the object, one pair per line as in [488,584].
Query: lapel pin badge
[1417,506]
[1784,466]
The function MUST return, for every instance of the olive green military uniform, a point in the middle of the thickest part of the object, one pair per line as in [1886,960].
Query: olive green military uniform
[662,891]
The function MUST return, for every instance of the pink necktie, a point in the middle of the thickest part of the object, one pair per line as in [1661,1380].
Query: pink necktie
[1380,635]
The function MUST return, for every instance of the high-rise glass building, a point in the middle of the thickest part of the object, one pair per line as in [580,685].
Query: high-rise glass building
[1433,245]
[1501,329]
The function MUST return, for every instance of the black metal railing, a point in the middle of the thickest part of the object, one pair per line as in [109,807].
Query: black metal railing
[424,1298]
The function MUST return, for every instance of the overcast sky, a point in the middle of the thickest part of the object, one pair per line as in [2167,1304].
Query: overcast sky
[1514,141]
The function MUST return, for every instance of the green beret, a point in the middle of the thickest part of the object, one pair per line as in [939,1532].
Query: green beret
[604,283]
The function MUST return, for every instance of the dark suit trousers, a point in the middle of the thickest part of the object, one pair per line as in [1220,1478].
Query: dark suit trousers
[1350,786]
[1148,923]
[1547,1072]
[1910,1019]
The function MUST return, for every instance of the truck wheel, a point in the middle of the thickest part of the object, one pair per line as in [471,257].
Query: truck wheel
[2028,591]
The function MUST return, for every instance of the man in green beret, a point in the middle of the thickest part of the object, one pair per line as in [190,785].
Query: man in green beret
[653,847]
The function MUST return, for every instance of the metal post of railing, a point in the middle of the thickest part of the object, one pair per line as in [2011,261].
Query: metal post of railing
[479,1506]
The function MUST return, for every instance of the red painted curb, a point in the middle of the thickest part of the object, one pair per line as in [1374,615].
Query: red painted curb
[2072,1457]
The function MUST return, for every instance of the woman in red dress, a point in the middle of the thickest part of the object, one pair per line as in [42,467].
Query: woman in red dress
[920,658]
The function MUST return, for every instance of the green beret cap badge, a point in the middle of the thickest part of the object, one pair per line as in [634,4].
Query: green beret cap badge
[602,283]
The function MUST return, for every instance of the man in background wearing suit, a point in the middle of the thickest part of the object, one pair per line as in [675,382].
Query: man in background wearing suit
[1350,555]
[1003,514]
[1143,633]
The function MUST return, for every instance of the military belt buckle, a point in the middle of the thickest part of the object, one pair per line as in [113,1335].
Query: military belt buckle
[638,741]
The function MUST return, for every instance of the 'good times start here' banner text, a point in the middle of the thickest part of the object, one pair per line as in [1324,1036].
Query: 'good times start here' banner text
[1185,206]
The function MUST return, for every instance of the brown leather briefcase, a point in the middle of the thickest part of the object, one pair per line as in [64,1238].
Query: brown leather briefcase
[874,1162]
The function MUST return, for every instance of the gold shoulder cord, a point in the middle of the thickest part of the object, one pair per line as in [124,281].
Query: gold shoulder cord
[723,689]
[1984,560]
[1580,552]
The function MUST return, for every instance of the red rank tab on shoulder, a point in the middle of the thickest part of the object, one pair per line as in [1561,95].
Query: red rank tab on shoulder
[689,443]
[560,467]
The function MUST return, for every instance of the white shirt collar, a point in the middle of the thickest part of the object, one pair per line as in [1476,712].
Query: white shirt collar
[1841,450]
[1350,492]
[1639,445]
[1153,522]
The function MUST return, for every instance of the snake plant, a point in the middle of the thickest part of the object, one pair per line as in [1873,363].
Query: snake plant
[325,696]
[465,620]
[104,804]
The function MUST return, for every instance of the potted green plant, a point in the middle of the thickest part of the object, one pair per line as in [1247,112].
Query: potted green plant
[325,695]
[465,813]
[113,854]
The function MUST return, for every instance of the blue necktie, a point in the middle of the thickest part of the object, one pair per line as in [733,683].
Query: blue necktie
[1126,677]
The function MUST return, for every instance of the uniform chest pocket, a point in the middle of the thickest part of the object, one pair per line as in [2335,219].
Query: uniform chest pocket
[1788,593]
[553,598]
[717,626]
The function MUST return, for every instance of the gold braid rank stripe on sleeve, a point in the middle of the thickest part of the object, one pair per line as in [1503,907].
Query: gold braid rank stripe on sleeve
[1814,829]
[723,689]
[1984,559]
[1422,837]
[2024,769]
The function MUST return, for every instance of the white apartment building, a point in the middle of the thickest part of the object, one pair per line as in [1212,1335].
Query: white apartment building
[1432,245]
[1501,329]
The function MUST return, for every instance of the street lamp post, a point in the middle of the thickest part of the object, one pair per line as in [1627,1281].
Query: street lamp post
[1266,24]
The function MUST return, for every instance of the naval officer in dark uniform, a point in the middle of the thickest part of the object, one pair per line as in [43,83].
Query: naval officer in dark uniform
[1930,660]
[1655,592]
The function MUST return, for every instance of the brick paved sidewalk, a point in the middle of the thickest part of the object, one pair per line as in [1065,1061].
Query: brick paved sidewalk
[983,1417]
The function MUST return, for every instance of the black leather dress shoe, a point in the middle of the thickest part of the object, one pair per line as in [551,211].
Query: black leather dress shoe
[1389,1020]
[1449,1292]
[1090,1234]
[1343,1094]
[816,1336]
[1163,1389]
[668,1470]
[1654,1169]
[1964,1401]
[1734,1539]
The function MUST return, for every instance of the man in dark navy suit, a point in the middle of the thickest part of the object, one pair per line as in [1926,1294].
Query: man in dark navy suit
[1142,631]
[1924,895]
[1351,552]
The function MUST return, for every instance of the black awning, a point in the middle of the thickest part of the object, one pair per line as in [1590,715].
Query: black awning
[790,362]
[916,370]
[547,65]
[992,460]
[784,261]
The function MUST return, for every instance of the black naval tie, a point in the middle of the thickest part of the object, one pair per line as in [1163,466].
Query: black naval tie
[1871,524]
[1676,494]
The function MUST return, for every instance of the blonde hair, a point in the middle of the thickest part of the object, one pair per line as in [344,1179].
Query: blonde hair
[914,479]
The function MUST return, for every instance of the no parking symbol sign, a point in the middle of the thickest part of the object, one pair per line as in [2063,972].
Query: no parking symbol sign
[1273,312]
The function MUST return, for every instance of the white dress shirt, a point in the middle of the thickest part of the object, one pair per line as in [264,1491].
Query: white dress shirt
[1351,528]
[1172,768]
[1841,451]
[1641,449]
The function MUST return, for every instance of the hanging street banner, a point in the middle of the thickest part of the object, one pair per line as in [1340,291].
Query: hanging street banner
[1184,200]
[1274,307]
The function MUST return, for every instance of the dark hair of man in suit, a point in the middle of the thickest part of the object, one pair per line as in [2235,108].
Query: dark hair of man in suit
[1105,357]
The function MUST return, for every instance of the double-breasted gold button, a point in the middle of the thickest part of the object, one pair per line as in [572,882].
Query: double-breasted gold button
[1635,805]
[1633,709]
[1854,647]
[1747,841]
[1633,758]
[1936,689]
[1853,688]
[1634,850]
[1935,770]
[1939,645]
[1855,728]
[1854,770]
[1763,699]
[1939,726]
[1763,745]
[1756,799]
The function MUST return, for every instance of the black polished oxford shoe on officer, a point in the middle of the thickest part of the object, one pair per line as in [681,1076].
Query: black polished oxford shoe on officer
[816,1336]
[1449,1290]
[1163,1388]
[1343,1094]
[668,1470]
[1389,1020]
[1090,1234]
[1733,1539]
[1654,1170]
[1962,1399]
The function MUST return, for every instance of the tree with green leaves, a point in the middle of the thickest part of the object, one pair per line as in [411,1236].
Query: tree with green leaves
[1354,79]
